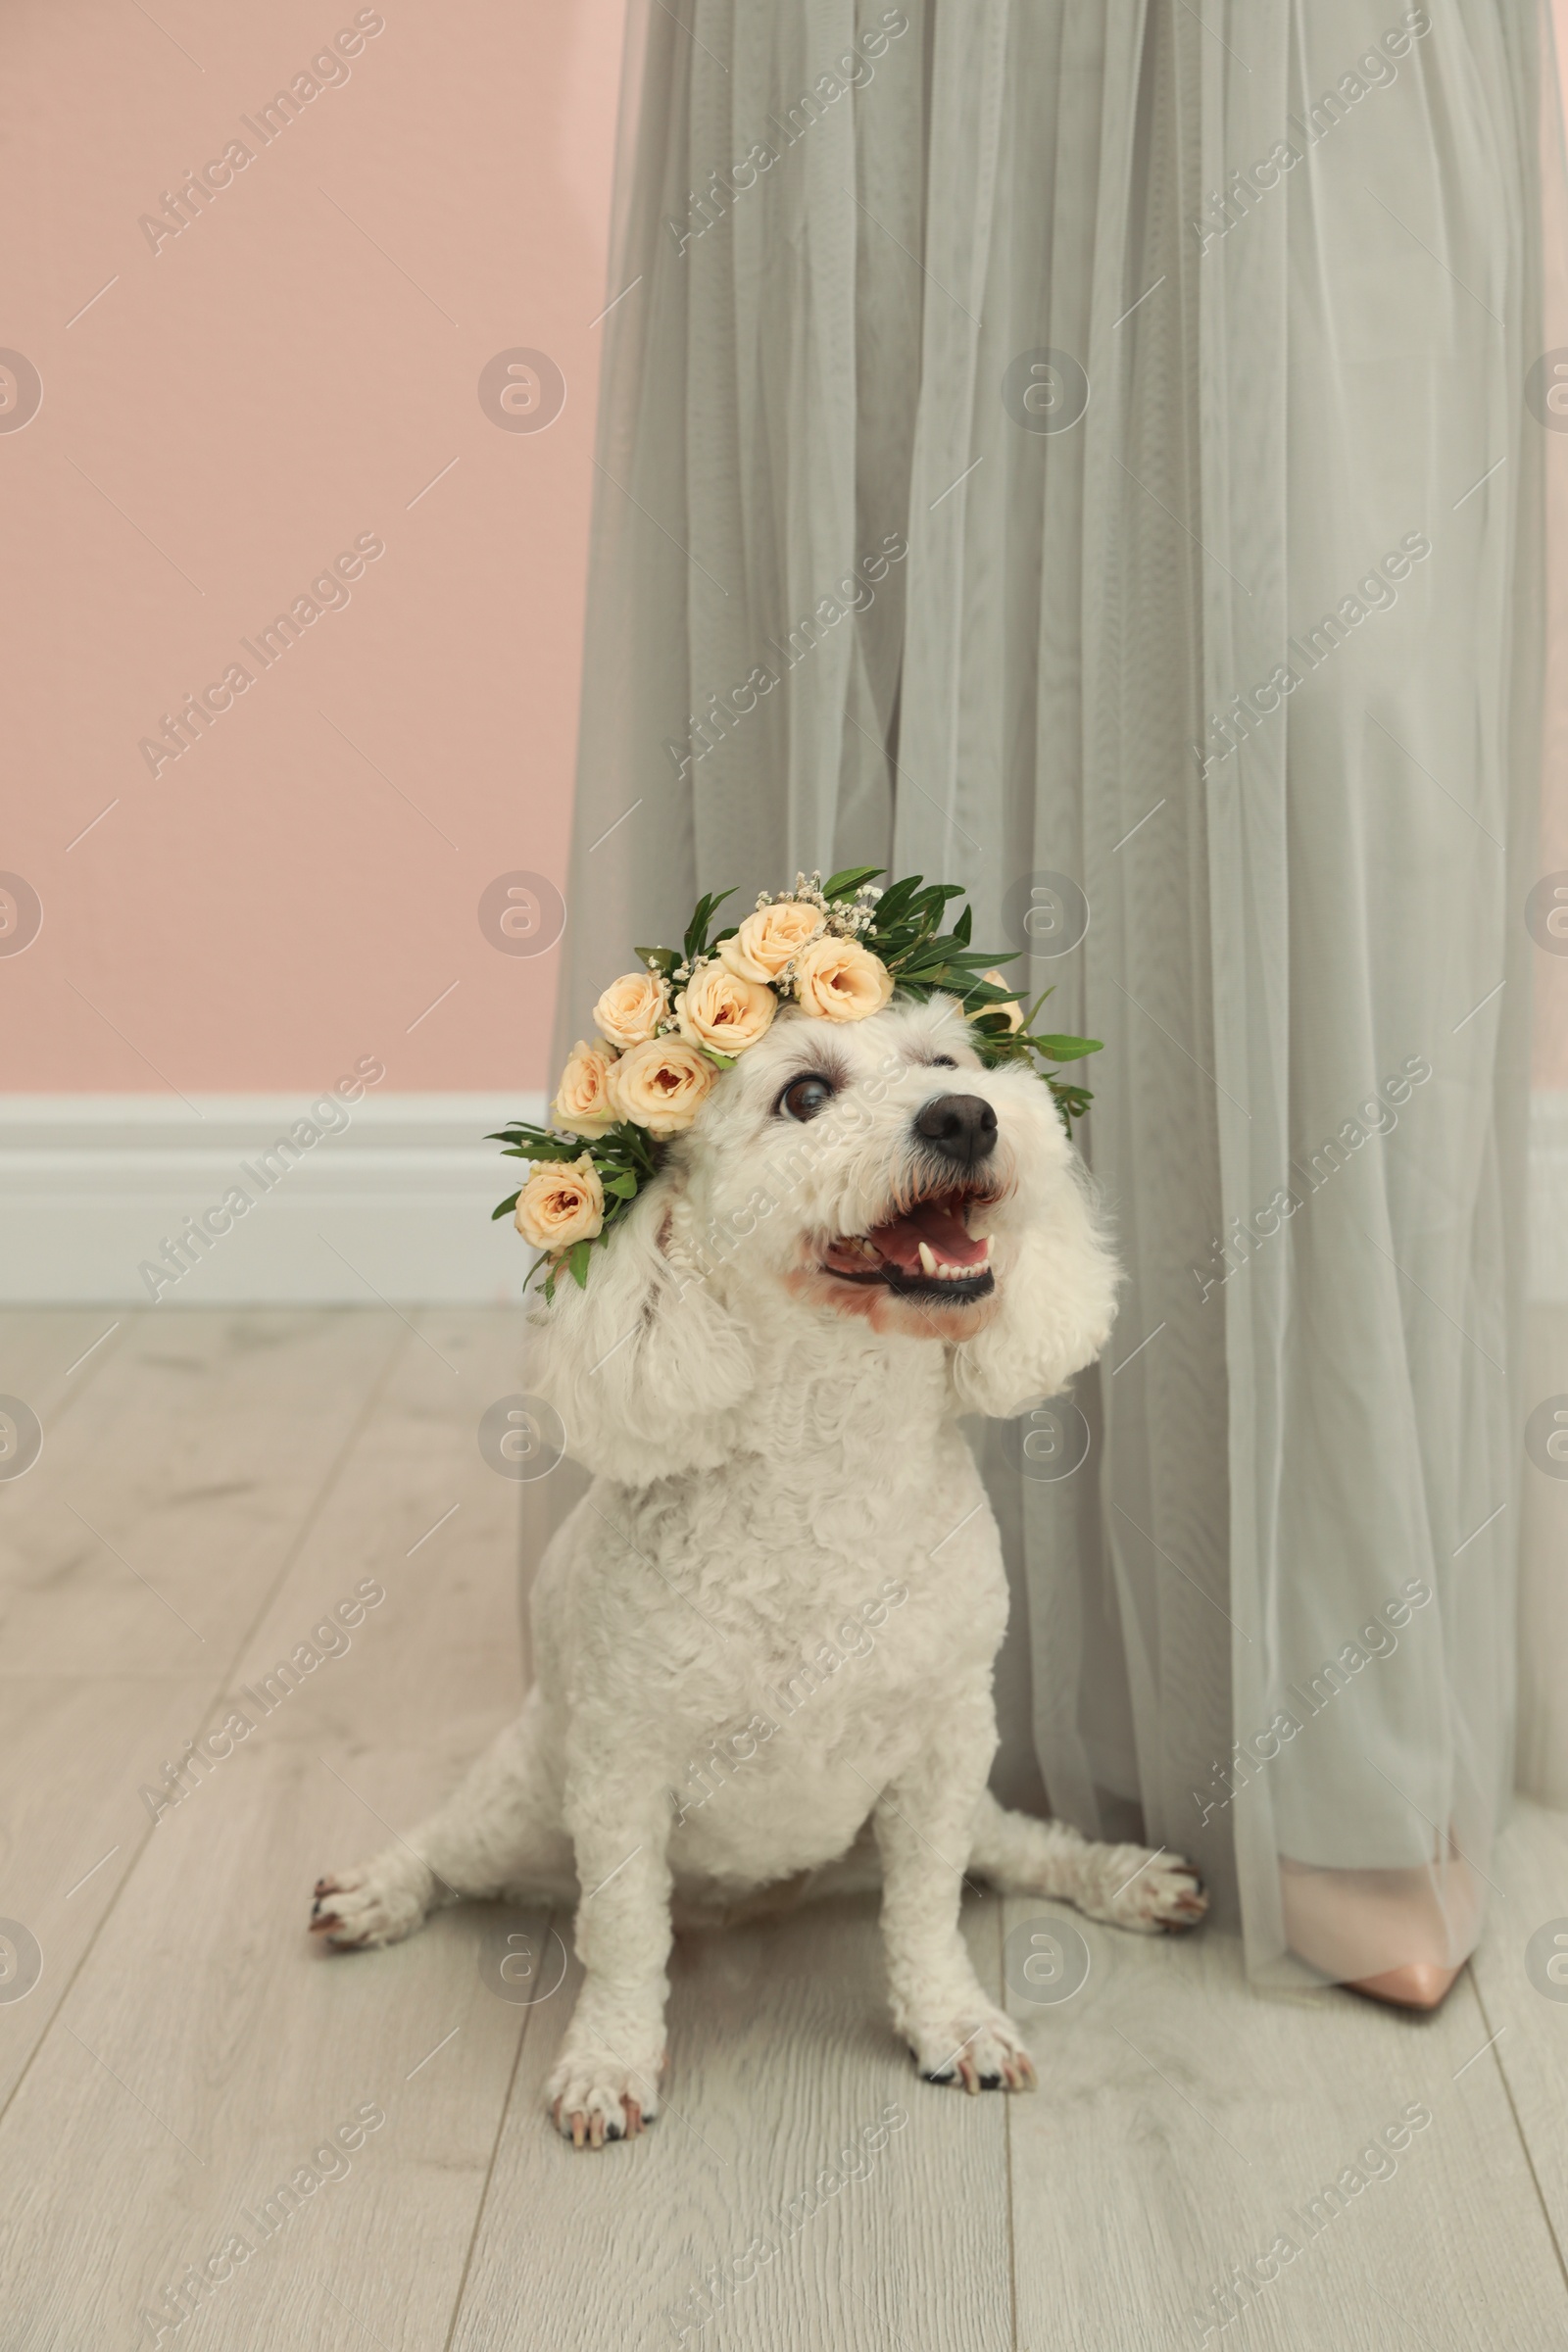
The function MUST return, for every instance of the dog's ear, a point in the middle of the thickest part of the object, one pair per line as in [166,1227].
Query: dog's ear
[643,1364]
[1057,1283]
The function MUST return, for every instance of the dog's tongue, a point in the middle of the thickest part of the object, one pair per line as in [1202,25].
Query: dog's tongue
[941,1227]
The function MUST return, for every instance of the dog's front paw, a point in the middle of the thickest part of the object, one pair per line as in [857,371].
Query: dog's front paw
[378,1902]
[983,2051]
[1149,1893]
[595,2097]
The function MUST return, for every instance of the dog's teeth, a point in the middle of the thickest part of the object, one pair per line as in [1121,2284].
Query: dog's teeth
[928,1260]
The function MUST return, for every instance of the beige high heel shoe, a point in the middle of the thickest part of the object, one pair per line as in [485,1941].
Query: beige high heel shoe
[1397,1936]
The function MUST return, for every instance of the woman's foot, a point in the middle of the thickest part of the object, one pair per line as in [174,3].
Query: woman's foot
[1397,1936]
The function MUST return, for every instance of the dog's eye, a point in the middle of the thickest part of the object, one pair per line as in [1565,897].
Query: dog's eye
[806,1097]
[943,1061]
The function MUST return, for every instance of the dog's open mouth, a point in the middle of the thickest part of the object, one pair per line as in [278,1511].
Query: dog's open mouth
[928,1252]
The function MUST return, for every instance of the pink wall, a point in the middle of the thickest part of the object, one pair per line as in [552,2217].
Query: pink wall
[230,414]
[227,416]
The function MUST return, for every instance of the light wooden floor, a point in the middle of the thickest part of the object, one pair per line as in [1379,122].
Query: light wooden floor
[211,1484]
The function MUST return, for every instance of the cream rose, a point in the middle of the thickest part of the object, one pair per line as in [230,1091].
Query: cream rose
[839,980]
[767,940]
[1014,1011]
[661,1084]
[562,1202]
[582,1099]
[631,1008]
[718,1008]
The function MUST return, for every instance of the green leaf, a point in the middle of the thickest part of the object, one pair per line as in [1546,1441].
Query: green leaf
[537,1143]
[1067,1049]
[578,1262]
[548,1286]
[725,1061]
[697,929]
[664,957]
[846,884]
[505,1209]
[624,1188]
[896,898]
[1071,1100]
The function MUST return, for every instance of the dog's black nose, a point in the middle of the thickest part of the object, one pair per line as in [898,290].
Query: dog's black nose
[961,1127]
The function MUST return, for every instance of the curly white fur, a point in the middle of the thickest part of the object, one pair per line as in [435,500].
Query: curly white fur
[785,1588]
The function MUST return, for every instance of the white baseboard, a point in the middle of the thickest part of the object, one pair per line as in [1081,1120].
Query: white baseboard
[1548,1198]
[91,1186]
[397,1201]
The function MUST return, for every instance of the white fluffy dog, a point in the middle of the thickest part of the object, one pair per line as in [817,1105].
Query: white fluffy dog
[786,1578]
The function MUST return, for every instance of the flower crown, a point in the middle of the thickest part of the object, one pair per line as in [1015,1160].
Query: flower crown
[838,949]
